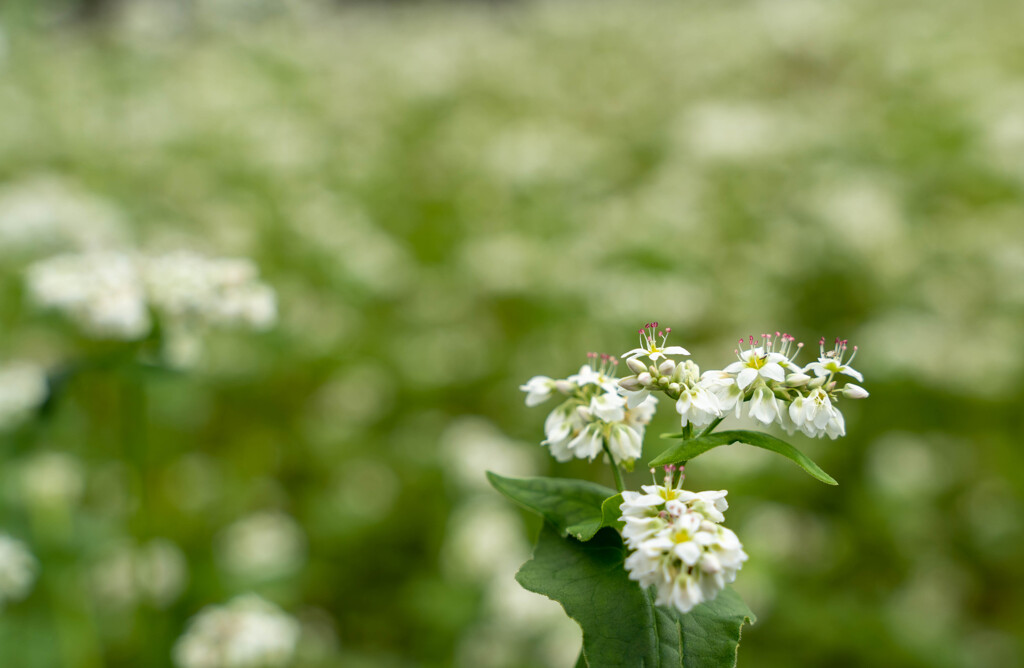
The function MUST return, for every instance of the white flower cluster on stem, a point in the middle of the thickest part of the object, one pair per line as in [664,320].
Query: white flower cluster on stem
[595,415]
[677,543]
[112,295]
[765,383]
[247,632]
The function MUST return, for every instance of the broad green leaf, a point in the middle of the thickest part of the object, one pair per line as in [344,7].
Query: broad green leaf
[687,450]
[573,506]
[611,512]
[622,628]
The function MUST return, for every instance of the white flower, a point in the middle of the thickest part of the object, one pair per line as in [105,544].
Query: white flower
[610,407]
[698,406]
[51,479]
[853,391]
[763,405]
[263,545]
[102,293]
[155,572]
[589,442]
[624,442]
[112,295]
[23,388]
[650,346]
[770,360]
[538,390]
[676,546]
[17,570]
[723,385]
[815,415]
[247,632]
[831,362]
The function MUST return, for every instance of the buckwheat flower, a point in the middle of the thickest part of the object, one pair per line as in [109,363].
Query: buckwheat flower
[247,632]
[650,345]
[831,362]
[815,415]
[100,292]
[263,545]
[18,570]
[538,390]
[853,391]
[624,442]
[698,406]
[610,407]
[23,389]
[589,442]
[726,390]
[676,546]
[763,405]
[768,358]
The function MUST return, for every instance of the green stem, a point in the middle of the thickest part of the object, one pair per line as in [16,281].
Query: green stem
[615,468]
[711,427]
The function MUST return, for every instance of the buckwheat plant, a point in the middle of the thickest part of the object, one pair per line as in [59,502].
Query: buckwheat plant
[646,572]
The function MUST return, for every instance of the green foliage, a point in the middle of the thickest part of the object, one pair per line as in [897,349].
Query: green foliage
[622,628]
[574,507]
[688,449]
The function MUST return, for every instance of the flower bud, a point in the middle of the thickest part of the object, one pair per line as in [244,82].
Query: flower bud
[563,386]
[663,381]
[674,387]
[635,365]
[645,379]
[631,384]
[584,413]
[851,391]
[667,367]
[817,382]
[797,379]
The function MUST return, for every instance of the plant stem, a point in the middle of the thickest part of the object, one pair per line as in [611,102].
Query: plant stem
[615,468]
[711,427]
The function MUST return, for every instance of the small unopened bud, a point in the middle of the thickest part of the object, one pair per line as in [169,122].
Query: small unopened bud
[645,379]
[663,381]
[635,365]
[674,387]
[667,367]
[851,391]
[797,379]
[584,413]
[631,384]
[817,382]
[563,386]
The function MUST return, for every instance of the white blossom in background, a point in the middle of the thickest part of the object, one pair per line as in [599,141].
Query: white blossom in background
[263,545]
[113,295]
[50,479]
[677,544]
[596,413]
[23,389]
[155,573]
[246,632]
[18,569]
[101,293]
[45,214]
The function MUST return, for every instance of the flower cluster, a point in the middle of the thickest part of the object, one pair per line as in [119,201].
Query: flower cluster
[677,543]
[247,632]
[765,383]
[595,416]
[111,295]
[17,570]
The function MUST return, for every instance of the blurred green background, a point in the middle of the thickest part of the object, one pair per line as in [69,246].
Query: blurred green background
[451,198]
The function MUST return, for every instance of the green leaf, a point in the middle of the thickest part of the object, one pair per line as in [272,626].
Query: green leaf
[573,506]
[621,625]
[687,450]
[611,513]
